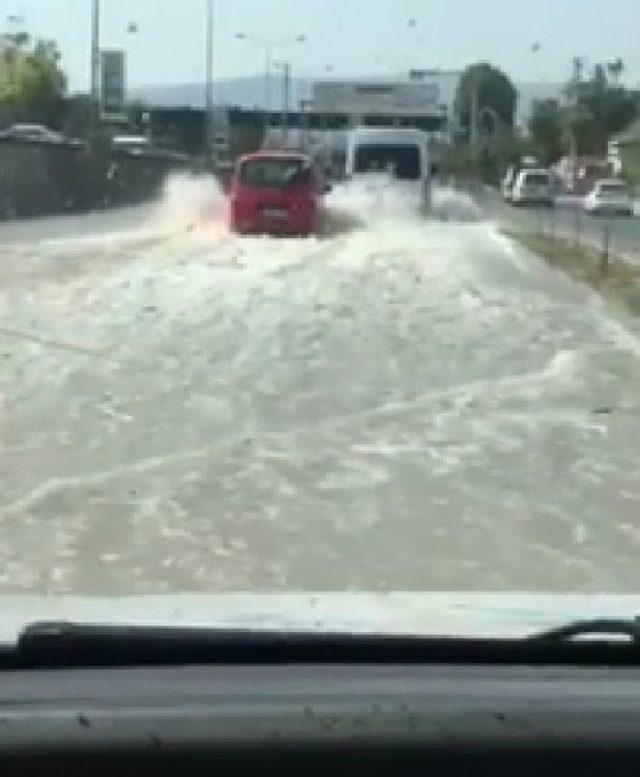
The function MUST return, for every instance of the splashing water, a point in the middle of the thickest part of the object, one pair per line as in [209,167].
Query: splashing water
[452,205]
[192,201]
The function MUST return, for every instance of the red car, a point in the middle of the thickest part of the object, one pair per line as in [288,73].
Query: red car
[275,193]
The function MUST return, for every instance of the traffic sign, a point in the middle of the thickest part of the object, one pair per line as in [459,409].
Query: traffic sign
[113,79]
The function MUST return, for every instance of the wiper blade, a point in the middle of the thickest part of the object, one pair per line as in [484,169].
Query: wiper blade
[68,645]
[604,626]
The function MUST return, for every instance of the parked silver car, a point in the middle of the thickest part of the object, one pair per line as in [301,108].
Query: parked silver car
[610,196]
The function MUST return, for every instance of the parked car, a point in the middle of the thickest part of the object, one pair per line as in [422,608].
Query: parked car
[533,187]
[276,193]
[135,145]
[31,133]
[610,196]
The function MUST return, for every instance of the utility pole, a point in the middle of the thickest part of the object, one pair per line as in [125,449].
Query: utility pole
[270,46]
[475,111]
[268,64]
[578,67]
[286,100]
[208,144]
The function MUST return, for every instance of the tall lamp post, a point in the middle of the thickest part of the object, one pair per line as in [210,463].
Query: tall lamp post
[269,45]
[95,55]
[209,28]
[286,97]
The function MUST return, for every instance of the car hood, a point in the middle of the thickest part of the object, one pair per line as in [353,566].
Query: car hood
[427,614]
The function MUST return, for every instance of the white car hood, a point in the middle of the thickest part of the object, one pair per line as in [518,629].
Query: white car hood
[450,614]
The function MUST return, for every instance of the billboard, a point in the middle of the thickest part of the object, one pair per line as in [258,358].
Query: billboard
[113,79]
[376,97]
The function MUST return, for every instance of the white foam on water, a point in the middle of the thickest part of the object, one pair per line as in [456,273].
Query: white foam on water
[398,405]
[452,205]
[372,200]
[192,201]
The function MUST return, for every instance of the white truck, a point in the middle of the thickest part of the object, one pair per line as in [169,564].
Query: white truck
[400,154]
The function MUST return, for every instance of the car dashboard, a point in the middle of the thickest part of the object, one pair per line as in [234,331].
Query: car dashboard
[80,702]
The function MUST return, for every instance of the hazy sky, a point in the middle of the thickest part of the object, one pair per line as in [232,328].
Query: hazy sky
[353,36]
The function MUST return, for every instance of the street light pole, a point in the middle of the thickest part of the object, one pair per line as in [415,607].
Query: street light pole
[286,99]
[268,63]
[208,145]
[96,81]
[578,68]
[95,54]
[475,111]
[269,44]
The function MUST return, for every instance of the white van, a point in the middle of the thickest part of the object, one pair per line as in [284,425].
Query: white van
[397,153]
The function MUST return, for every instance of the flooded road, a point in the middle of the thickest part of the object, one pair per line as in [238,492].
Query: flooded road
[399,405]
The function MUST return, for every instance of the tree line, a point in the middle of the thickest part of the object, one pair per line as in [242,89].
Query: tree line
[589,113]
[593,111]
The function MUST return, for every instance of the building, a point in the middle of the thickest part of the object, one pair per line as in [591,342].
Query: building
[319,125]
[411,103]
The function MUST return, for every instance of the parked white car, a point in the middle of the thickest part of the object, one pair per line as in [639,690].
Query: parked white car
[31,133]
[533,187]
[609,196]
[135,145]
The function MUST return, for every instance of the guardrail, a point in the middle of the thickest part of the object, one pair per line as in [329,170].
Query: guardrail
[600,237]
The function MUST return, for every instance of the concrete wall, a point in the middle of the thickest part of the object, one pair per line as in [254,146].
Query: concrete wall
[39,180]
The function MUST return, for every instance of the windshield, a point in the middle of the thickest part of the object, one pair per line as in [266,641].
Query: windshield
[613,188]
[535,179]
[275,173]
[313,304]
[402,161]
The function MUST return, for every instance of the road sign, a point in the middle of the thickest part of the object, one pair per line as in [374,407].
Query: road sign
[113,79]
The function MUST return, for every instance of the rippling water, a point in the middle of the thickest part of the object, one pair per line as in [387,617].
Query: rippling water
[397,405]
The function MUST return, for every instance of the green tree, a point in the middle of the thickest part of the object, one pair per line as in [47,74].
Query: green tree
[547,130]
[31,78]
[611,107]
[494,89]
[597,109]
[578,130]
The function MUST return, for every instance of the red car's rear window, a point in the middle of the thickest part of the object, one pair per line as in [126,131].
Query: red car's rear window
[275,173]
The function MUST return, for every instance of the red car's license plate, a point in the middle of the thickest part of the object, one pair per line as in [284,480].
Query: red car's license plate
[275,213]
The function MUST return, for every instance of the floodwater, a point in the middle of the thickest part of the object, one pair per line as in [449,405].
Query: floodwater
[398,405]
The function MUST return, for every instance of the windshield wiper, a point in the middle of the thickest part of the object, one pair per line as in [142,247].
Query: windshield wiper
[589,628]
[68,645]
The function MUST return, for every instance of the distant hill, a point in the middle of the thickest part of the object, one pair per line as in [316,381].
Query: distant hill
[250,93]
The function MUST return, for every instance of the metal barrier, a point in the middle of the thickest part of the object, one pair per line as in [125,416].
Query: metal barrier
[547,227]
